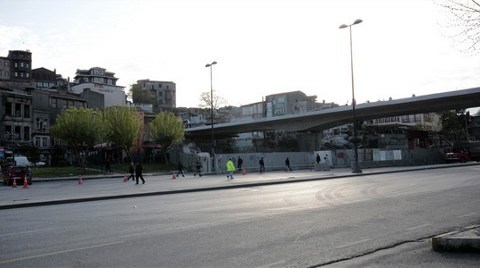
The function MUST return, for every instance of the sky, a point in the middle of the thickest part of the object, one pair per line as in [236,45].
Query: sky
[262,47]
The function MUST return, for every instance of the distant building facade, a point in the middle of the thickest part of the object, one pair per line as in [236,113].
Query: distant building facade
[16,71]
[98,80]
[164,93]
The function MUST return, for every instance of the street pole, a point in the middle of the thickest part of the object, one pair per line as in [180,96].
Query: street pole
[356,167]
[210,65]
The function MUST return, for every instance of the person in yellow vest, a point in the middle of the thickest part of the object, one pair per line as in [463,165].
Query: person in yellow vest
[230,169]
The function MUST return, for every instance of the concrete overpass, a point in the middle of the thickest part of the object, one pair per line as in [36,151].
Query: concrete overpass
[327,118]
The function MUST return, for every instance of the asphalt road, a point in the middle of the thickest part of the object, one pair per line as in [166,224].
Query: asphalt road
[339,221]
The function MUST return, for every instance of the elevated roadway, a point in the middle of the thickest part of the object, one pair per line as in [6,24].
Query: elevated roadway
[328,118]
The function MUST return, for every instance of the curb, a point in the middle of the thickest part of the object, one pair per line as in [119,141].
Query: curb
[467,240]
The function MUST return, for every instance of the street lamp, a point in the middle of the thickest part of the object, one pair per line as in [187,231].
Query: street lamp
[355,168]
[210,65]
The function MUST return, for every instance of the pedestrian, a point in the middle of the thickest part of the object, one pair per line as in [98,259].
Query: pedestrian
[230,169]
[131,170]
[180,169]
[262,165]
[198,166]
[29,175]
[138,172]
[327,162]
[239,163]
[318,159]
[287,165]
[107,165]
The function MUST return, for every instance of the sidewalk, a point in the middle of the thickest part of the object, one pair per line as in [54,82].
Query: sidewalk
[54,191]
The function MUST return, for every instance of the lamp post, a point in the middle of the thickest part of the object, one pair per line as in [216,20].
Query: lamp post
[210,65]
[355,168]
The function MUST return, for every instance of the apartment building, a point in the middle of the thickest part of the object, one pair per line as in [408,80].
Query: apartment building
[164,93]
[98,80]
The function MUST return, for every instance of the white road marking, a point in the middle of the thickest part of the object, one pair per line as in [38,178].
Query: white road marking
[467,215]
[418,227]
[353,243]
[60,252]
[26,232]
[273,264]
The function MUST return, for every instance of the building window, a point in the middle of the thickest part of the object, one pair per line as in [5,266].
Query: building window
[16,65]
[18,110]
[8,108]
[8,132]
[17,133]
[44,142]
[16,74]
[37,141]
[28,75]
[26,133]
[21,64]
[26,111]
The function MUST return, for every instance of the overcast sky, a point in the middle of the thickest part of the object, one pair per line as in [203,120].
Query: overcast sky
[262,47]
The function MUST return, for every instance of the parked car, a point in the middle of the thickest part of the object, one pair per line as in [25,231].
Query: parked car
[17,173]
[464,151]
[458,156]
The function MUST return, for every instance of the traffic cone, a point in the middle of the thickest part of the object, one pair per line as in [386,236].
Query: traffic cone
[174,176]
[25,183]
[80,180]
[14,184]
[244,171]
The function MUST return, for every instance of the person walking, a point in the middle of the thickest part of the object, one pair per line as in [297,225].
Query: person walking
[262,165]
[239,163]
[327,163]
[138,172]
[230,169]
[198,166]
[107,165]
[287,165]
[180,169]
[131,170]
[318,159]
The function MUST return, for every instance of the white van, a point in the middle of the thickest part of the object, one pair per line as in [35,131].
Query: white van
[21,160]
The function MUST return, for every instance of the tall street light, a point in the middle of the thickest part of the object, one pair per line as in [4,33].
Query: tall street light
[210,65]
[355,168]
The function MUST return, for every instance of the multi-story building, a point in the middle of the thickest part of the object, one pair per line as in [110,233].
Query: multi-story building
[16,71]
[426,121]
[97,79]
[289,103]
[4,68]
[46,79]
[16,119]
[48,105]
[164,93]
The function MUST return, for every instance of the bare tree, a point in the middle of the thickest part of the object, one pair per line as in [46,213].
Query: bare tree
[463,23]
[206,100]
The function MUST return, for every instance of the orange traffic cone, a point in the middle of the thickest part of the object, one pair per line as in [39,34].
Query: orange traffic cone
[25,183]
[244,171]
[14,184]
[173,176]
[80,180]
